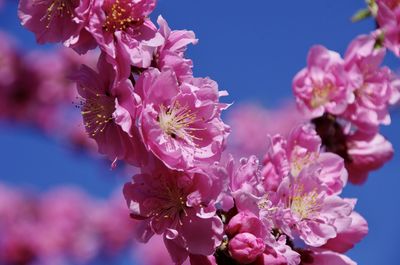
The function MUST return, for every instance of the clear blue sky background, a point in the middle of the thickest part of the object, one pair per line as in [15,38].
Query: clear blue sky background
[253,49]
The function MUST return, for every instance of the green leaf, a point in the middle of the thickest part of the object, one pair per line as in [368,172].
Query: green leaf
[361,14]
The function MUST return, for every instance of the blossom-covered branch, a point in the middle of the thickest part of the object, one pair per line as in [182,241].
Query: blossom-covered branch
[142,105]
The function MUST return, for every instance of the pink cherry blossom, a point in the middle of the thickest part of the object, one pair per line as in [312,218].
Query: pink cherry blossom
[374,89]
[308,211]
[178,205]
[323,85]
[124,32]
[181,124]
[109,113]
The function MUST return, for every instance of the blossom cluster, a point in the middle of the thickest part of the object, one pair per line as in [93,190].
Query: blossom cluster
[69,226]
[142,105]
[348,99]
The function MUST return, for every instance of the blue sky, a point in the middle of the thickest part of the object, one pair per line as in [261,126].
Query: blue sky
[252,49]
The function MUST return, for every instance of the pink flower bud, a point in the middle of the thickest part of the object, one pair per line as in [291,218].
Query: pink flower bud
[245,248]
[245,222]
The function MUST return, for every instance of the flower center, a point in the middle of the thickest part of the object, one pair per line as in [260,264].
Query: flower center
[320,95]
[118,16]
[57,8]
[175,121]
[172,206]
[304,204]
[97,112]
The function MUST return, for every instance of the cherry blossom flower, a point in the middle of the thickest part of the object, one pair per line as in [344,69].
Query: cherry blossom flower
[124,32]
[109,113]
[323,85]
[374,90]
[178,205]
[181,124]
[307,210]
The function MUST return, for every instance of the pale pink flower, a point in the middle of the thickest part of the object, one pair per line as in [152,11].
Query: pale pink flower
[109,113]
[374,91]
[366,154]
[124,32]
[171,53]
[323,85]
[305,208]
[181,124]
[178,205]
[57,21]
[388,18]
